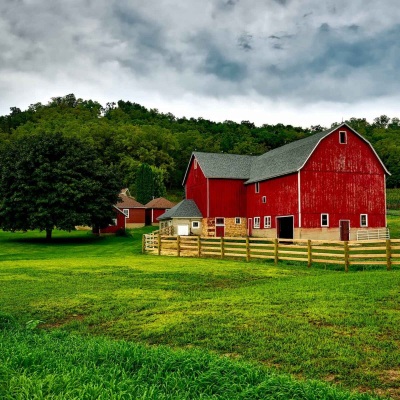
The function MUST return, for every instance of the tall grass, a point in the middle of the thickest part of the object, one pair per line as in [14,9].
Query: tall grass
[58,365]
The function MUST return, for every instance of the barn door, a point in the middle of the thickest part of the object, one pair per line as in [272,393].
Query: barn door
[249,227]
[344,225]
[285,227]
[219,227]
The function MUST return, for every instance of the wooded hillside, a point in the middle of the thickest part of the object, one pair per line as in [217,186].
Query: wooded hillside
[127,135]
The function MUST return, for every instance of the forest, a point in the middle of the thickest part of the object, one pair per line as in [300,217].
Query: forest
[127,135]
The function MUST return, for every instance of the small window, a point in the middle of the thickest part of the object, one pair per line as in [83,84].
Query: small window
[256,222]
[195,224]
[238,220]
[220,221]
[264,199]
[195,164]
[342,137]
[267,222]
[363,220]
[325,220]
[114,222]
[126,212]
[257,187]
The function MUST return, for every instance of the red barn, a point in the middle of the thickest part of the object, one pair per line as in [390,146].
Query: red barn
[119,222]
[134,211]
[155,208]
[328,186]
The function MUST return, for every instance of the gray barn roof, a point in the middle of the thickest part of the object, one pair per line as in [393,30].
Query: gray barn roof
[184,209]
[283,160]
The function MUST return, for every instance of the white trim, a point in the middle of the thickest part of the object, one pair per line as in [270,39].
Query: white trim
[340,220]
[257,226]
[240,220]
[327,220]
[195,222]
[208,199]
[299,196]
[126,213]
[366,221]
[264,199]
[345,137]
[219,224]
[249,222]
[267,225]
[257,187]
[276,223]
[152,215]
[384,191]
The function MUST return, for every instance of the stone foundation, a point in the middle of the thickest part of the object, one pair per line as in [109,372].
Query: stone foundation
[231,228]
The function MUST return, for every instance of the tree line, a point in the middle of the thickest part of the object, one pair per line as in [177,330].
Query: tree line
[127,135]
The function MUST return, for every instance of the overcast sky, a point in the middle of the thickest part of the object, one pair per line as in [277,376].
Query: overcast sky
[299,62]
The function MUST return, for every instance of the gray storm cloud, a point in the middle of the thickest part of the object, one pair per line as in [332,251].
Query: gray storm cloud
[295,51]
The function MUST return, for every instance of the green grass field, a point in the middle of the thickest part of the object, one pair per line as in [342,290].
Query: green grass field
[232,329]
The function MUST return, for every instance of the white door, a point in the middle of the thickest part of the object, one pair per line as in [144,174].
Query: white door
[183,230]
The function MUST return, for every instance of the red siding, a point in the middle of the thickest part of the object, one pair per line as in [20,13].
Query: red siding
[343,180]
[227,198]
[136,216]
[196,188]
[156,213]
[281,199]
[114,228]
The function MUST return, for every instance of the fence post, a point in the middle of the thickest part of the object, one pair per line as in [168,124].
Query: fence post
[143,244]
[222,247]
[388,255]
[346,256]
[276,244]
[247,249]
[159,244]
[198,246]
[309,253]
[178,245]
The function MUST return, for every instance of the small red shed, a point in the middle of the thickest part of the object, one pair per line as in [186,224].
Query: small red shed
[135,212]
[155,208]
[119,222]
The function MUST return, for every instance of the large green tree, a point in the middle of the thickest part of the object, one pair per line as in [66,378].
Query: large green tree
[52,181]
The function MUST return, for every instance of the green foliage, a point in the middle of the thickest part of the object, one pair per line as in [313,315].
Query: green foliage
[49,180]
[149,183]
[313,323]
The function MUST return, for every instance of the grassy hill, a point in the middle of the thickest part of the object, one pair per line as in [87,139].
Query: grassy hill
[250,320]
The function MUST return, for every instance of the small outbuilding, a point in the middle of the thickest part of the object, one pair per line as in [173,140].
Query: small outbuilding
[135,212]
[185,218]
[155,208]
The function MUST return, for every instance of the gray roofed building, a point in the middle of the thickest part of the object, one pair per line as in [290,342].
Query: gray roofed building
[281,161]
[184,209]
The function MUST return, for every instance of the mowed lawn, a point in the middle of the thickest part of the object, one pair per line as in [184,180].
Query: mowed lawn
[313,323]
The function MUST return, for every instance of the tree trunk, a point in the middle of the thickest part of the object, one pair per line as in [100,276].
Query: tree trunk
[48,234]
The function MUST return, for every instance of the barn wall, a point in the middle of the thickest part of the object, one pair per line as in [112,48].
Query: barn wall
[196,187]
[282,199]
[137,217]
[344,180]
[114,228]
[227,198]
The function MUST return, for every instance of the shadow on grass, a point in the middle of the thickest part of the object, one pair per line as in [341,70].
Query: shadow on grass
[65,241]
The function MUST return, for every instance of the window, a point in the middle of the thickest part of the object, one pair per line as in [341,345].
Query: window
[325,220]
[256,222]
[195,224]
[363,220]
[114,222]
[220,221]
[342,137]
[238,221]
[195,164]
[257,187]
[267,222]
[264,199]
[126,212]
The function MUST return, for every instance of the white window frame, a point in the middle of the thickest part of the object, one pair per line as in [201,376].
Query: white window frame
[238,220]
[257,187]
[114,222]
[195,163]
[327,220]
[264,199]
[126,212]
[344,135]
[256,223]
[195,223]
[267,222]
[365,225]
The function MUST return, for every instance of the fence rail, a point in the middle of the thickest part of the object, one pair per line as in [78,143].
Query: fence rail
[347,253]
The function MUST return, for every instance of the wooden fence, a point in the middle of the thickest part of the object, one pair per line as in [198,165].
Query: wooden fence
[377,252]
